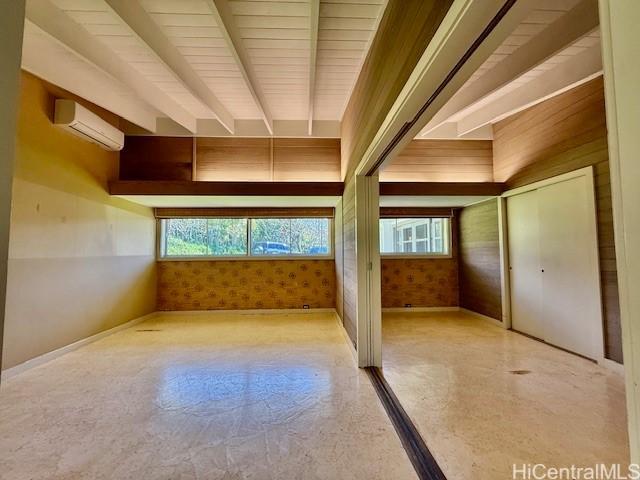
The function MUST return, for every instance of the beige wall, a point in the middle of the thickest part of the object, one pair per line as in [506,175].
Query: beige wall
[80,262]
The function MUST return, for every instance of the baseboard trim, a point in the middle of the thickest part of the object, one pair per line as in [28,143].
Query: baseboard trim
[480,316]
[47,357]
[263,311]
[612,365]
[419,309]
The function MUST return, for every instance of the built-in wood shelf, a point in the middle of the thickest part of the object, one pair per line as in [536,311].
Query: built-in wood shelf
[180,187]
[442,188]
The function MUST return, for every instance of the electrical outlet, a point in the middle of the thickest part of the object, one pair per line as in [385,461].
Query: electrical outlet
[305,306]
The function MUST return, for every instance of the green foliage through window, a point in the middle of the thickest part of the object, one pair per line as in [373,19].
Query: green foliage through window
[228,237]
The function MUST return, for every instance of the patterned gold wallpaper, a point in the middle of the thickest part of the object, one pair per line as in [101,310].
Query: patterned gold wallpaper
[245,285]
[421,282]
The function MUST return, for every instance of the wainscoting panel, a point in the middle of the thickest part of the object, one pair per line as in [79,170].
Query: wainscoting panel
[420,282]
[246,285]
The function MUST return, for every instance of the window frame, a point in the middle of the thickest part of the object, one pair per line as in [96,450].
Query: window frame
[160,245]
[448,237]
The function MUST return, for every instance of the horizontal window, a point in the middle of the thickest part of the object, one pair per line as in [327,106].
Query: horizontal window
[415,236]
[243,237]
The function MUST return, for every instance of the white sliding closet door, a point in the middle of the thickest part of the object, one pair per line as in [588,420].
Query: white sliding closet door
[553,261]
[524,264]
[570,291]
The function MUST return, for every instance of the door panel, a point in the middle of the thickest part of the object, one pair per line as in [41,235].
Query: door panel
[567,236]
[524,264]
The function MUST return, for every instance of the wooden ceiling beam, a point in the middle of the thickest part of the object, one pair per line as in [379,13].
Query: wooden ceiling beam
[221,10]
[442,188]
[179,187]
[53,22]
[141,24]
[573,25]
[45,57]
[579,69]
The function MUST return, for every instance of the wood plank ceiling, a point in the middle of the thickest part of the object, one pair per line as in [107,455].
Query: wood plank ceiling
[252,65]
[555,48]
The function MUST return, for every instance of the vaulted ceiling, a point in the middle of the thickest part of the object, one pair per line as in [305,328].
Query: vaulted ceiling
[228,66]
[554,48]
[282,67]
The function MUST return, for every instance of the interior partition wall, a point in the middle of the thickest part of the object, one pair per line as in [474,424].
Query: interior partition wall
[620,44]
[11,27]
[358,269]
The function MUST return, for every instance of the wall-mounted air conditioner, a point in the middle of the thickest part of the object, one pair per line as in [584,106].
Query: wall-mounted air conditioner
[84,123]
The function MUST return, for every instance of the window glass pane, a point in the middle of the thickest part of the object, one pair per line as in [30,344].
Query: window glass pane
[227,236]
[193,237]
[295,236]
[271,236]
[185,237]
[310,236]
[388,237]
[414,236]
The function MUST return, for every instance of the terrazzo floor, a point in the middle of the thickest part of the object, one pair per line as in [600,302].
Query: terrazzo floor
[201,396]
[484,398]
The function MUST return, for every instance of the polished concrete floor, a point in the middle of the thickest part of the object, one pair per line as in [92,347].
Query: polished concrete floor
[484,398]
[201,396]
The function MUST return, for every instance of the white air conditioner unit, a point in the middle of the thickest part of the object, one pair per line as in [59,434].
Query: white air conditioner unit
[84,123]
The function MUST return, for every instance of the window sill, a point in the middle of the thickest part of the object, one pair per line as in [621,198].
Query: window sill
[416,256]
[245,258]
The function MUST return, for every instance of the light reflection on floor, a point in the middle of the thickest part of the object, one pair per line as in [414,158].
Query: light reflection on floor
[199,396]
[202,389]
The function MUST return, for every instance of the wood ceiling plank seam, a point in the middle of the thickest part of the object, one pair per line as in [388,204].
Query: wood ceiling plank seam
[314,22]
[151,34]
[226,19]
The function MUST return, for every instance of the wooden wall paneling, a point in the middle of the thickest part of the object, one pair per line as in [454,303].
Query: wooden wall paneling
[339,259]
[479,259]
[254,212]
[300,159]
[350,266]
[233,159]
[559,135]
[442,161]
[405,30]
[156,158]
